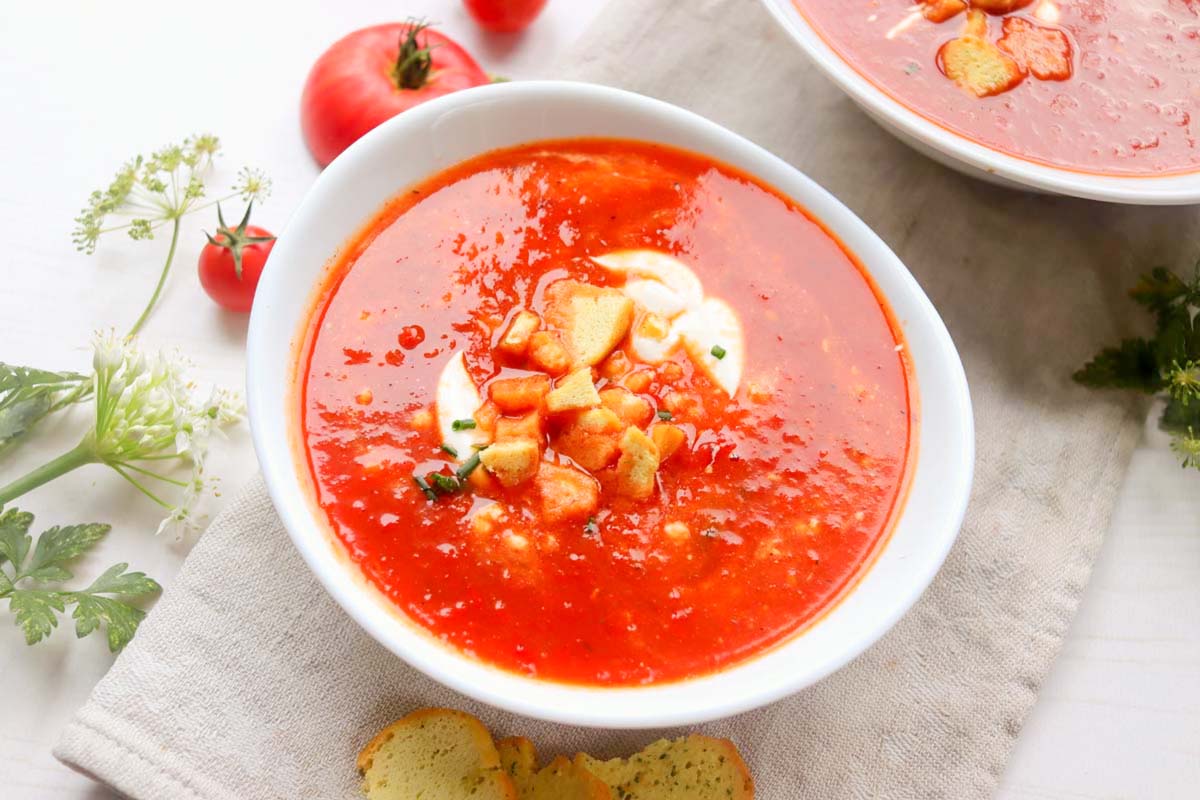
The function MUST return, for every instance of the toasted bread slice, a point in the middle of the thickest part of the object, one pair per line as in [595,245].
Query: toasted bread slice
[512,461]
[593,319]
[573,392]
[693,768]
[434,752]
[561,779]
[977,65]
[637,465]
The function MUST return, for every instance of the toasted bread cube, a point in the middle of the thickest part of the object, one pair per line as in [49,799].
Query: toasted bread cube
[512,462]
[514,395]
[434,752]
[615,366]
[637,465]
[638,381]
[574,392]
[566,493]
[677,531]
[633,410]
[999,7]
[515,340]
[561,779]
[590,439]
[528,426]
[977,65]
[667,438]
[485,420]
[696,767]
[942,10]
[593,320]
[547,353]
[1044,52]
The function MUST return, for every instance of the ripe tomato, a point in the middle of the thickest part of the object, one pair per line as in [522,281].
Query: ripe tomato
[504,16]
[232,261]
[373,74]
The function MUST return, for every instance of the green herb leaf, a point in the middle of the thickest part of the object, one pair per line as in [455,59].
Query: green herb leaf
[1132,365]
[425,488]
[1158,290]
[34,610]
[59,545]
[1179,417]
[448,450]
[463,425]
[663,414]
[116,580]
[120,620]
[470,465]
[27,395]
[592,528]
[14,536]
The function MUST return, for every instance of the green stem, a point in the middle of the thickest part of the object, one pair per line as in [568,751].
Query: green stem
[81,454]
[162,280]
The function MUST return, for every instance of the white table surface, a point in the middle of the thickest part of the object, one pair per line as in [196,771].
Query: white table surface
[83,86]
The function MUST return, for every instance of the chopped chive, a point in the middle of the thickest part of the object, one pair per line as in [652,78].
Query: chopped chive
[449,450]
[426,489]
[462,425]
[664,414]
[446,483]
[718,352]
[591,528]
[469,465]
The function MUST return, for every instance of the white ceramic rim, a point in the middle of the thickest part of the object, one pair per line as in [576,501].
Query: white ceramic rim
[921,537]
[1176,189]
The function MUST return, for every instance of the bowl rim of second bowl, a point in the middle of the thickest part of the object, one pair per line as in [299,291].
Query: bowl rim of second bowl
[1176,188]
[692,700]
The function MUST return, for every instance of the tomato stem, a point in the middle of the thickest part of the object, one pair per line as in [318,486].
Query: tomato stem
[414,62]
[162,280]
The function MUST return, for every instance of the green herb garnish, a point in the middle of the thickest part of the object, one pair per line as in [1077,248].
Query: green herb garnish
[463,425]
[425,488]
[444,483]
[469,465]
[36,609]
[447,449]
[591,528]
[663,414]
[717,351]
[1167,364]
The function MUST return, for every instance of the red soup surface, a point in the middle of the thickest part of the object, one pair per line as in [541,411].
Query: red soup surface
[1103,86]
[616,471]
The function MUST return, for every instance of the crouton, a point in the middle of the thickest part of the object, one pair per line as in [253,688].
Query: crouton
[514,395]
[693,768]
[561,779]
[434,752]
[485,420]
[1044,52]
[574,392]
[999,7]
[547,353]
[977,65]
[593,320]
[667,438]
[941,10]
[637,464]
[632,410]
[528,426]
[677,531]
[615,366]
[590,438]
[566,493]
[515,340]
[512,462]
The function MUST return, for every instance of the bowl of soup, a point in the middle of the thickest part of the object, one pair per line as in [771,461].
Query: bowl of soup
[1090,99]
[597,412]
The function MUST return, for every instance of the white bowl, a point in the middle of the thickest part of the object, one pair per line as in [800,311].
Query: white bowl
[436,135]
[966,155]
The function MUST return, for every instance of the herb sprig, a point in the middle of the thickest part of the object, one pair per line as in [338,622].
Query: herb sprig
[1167,364]
[24,575]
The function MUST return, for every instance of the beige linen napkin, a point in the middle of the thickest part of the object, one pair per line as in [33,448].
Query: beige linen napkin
[247,681]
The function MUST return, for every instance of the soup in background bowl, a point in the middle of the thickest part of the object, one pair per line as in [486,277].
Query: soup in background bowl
[594,411]
[1095,99]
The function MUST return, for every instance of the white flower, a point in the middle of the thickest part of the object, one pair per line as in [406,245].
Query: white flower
[147,417]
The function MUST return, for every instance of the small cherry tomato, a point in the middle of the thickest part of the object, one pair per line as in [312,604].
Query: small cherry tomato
[371,75]
[232,261]
[504,16]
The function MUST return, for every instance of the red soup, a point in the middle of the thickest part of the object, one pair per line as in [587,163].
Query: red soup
[603,411]
[1104,86]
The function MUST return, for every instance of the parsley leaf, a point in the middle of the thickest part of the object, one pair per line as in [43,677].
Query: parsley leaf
[1167,364]
[36,610]
[27,395]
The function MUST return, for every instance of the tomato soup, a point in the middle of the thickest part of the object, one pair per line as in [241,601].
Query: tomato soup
[604,412]
[1102,86]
